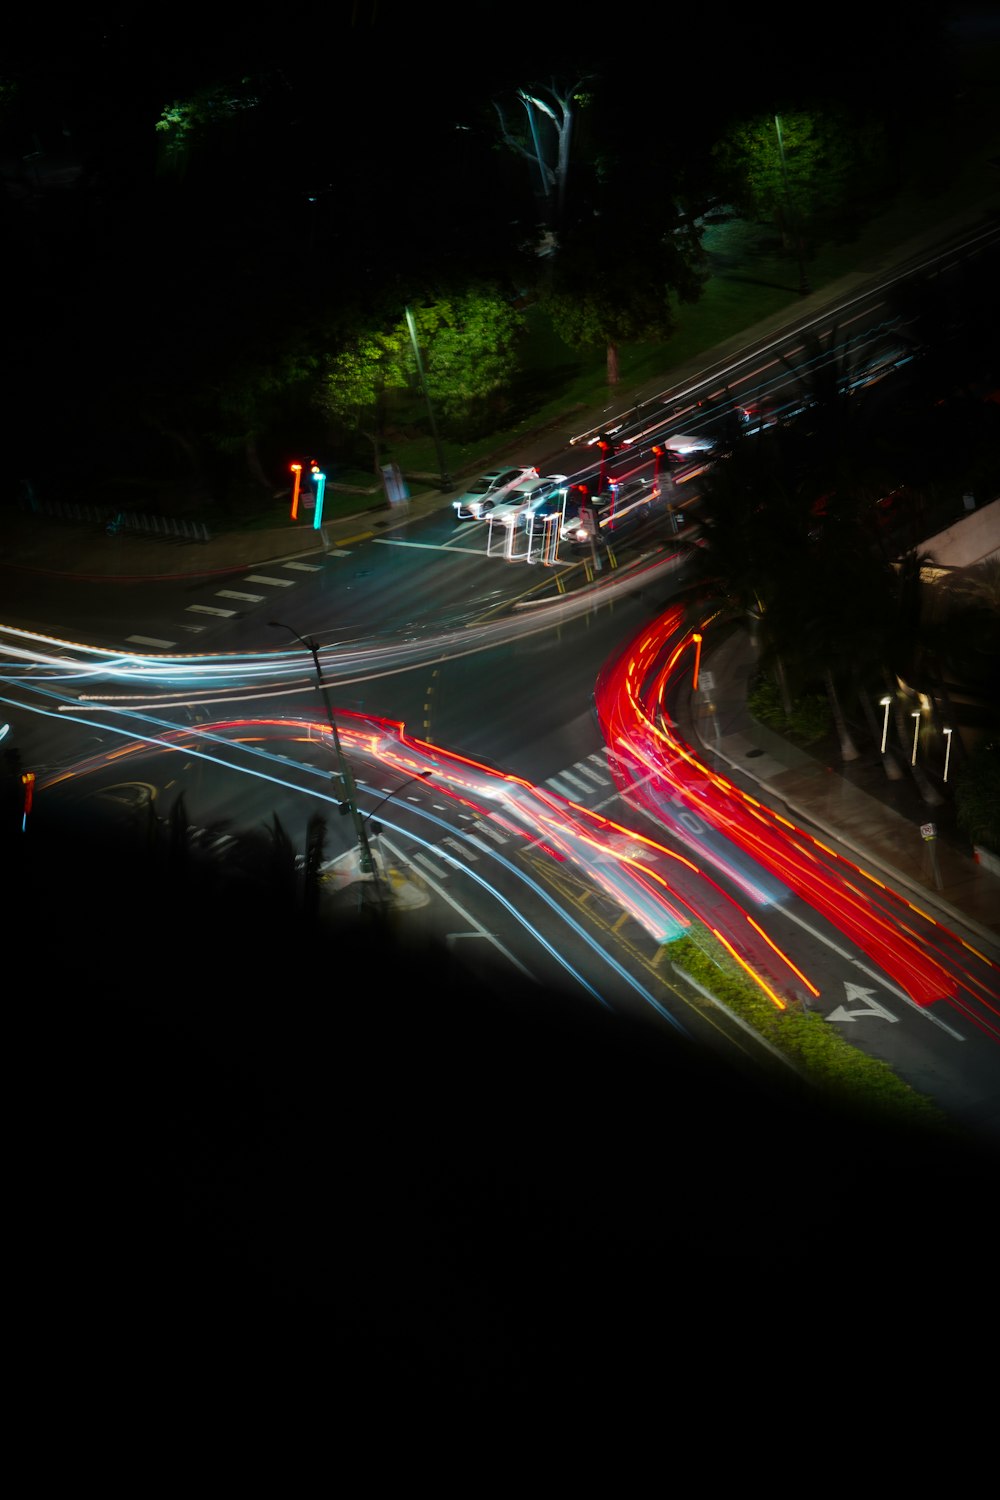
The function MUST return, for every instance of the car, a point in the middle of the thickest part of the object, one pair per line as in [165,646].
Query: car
[619,504]
[586,518]
[490,488]
[527,498]
[685,448]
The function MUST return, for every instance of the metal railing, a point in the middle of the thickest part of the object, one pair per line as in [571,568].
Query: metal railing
[171,528]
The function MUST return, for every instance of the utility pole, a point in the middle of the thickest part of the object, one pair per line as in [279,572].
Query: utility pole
[346,789]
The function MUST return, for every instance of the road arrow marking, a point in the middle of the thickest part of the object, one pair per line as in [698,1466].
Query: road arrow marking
[871,1008]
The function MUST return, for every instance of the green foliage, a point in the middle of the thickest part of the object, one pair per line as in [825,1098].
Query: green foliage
[819,1052]
[977,796]
[364,369]
[808,722]
[817,174]
[469,346]
[186,120]
[609,288]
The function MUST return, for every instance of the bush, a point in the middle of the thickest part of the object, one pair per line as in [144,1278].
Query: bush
[809,721]
[977,796]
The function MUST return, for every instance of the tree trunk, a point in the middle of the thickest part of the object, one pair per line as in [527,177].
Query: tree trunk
[848,749]
[254,465]
[787,706]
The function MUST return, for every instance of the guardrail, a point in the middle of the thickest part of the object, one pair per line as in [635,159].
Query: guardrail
[169,527]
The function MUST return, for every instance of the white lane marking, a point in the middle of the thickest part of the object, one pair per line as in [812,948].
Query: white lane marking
[302,567]
[391,541]
[425,863]
[564,791]
[445,895]
[206,609]
[148,640]
[235,594]
[855,992]
[783,910]
[279,583]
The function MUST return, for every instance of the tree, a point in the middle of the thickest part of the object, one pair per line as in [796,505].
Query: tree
[469,341]
[608,287]
[549,112]
[977,796]
[471,344]
[358,379]
[810,173]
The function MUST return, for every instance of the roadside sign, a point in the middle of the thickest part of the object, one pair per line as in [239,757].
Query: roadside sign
[928,830]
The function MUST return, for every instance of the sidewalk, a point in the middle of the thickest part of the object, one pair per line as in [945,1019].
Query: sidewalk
[958,891]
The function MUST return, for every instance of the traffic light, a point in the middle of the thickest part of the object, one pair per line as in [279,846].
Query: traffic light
[28,782]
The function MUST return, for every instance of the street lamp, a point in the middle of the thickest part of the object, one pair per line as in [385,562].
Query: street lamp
[947,753]
[377,827]
[697,659]
[411,325]
[347,788]
[916,731]
[885,702]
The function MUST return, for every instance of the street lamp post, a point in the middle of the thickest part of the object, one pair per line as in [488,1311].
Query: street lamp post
[947,752]
[347,788]
[791,220]
[885,702]
[916,733]
[696,637]
[411,325]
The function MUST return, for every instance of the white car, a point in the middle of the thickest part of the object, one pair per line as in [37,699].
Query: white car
[490,488]
[525,498]
[683,448]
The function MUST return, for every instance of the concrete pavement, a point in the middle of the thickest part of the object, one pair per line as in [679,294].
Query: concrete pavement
[866,817]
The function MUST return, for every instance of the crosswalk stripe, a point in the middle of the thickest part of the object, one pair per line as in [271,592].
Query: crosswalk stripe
[576,781]
[591,774]
[491,832]
[459,848]
[235,594]
[428,864]
[279,583]
[206,609]
[564,791]
[302,567]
